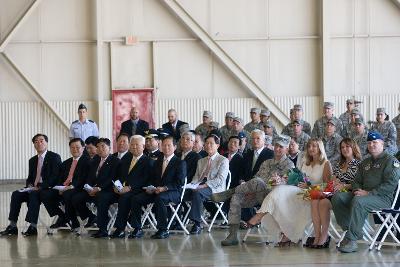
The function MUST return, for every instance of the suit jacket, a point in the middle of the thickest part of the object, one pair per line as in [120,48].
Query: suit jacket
[49,172]
[236,167]
[107,173]
[216,178]
[248,159]
[141,127]
[139,176]
[174,175]
[80,174]
[191,160]
[123,158]
[167,127]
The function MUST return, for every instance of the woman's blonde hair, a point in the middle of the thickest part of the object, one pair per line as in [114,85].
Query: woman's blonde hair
[322,154]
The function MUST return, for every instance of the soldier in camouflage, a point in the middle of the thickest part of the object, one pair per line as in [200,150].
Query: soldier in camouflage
[253,192]
[360,137]
[350,129]
[331,142]
[320,124]
[346,116]
[299,135]
[203,128]
[237,129]
[387,129]
[297,114]
[255,120]
[396,121]
[226,130]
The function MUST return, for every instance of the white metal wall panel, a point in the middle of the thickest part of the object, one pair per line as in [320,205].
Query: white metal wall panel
[106,130]
[391,102]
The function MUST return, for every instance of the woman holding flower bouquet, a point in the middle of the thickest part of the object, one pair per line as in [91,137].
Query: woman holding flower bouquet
[287,213]
[344,172]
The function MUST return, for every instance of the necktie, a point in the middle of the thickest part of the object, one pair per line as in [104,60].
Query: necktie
[207,169]
[100,165]
[38,171]
[133,163]
[71,172]
[133,127]
[229,157]
[254,159]
[164,166]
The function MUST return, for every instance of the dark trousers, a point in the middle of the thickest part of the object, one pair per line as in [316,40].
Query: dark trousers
[197,197]
[32,200]
[51,200]
[124,208]
[160,209]
[103,200]
[70,212]
[78,201]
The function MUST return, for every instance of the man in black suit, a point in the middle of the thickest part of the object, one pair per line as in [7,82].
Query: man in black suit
[134,125]
[43,172]
[173,124]
[135,173]
[188,155]
[73,175]
[122,146]
[102,172]
[168,177]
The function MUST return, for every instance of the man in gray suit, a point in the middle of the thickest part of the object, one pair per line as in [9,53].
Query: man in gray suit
[211,173]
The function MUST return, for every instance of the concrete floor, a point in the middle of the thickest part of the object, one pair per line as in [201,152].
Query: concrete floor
[65,249]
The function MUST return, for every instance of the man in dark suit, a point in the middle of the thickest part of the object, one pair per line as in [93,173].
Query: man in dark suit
[188,155]
[102,172]
[135,173]
[168,177]
[122,146]
[43,172]
[134,125]
[73,175]
[236,162]
[173,124]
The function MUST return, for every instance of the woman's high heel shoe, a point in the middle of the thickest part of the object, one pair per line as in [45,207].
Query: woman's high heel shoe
[325,245]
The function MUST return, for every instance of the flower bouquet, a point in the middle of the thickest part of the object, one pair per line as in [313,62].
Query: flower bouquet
[319,191]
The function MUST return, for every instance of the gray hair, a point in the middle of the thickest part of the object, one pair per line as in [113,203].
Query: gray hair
[258,132]
[137,137]
[190,134]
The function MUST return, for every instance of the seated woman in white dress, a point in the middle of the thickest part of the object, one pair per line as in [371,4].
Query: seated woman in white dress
[344,172]
[284,214]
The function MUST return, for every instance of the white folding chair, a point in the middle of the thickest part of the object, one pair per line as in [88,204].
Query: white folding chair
[389,224]
[149,216]
[219,205]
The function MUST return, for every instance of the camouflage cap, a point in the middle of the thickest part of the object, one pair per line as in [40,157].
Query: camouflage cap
[255,110]
[298,107]
[230,115]
[265,112]
[355,111]
[282,140]
[214,124]
[268,124]
[328,105]
[381,110]
[330,121]
[350,101]
[359,121]
[207,114]
[238,119]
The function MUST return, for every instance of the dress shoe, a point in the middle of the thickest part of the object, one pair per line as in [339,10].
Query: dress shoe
[118,234]
[196,229]
[136,233]
[10,230]
[348,246]
[91,222]
[220,197]
[99,234]
[31,231]
[161,234]
[61,222]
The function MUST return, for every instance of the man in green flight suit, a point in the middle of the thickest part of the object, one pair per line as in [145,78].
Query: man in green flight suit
[373,189]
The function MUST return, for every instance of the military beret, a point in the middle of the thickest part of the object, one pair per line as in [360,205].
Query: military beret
[255,110]
[374,136]
[328,105]
[298,107]
[282,140]
[207,114]
[238,119]
[82,106]
[381,110]
[265,112]
[230,115]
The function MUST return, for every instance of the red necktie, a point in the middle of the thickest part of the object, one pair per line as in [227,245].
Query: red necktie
[71,172]
[38,170]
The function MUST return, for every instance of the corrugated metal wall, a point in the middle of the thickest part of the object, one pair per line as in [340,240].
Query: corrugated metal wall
[21,120]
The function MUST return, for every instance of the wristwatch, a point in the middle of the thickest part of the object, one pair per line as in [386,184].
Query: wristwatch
[166,188]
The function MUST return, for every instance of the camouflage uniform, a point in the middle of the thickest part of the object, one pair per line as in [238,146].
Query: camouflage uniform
[253,125]
[225,133]
[202,129]
[388,130]
[361,141]
[346,122]
[301,140]
[253,192]
[396,122]
[288,129]
[320,124]
[332,147]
